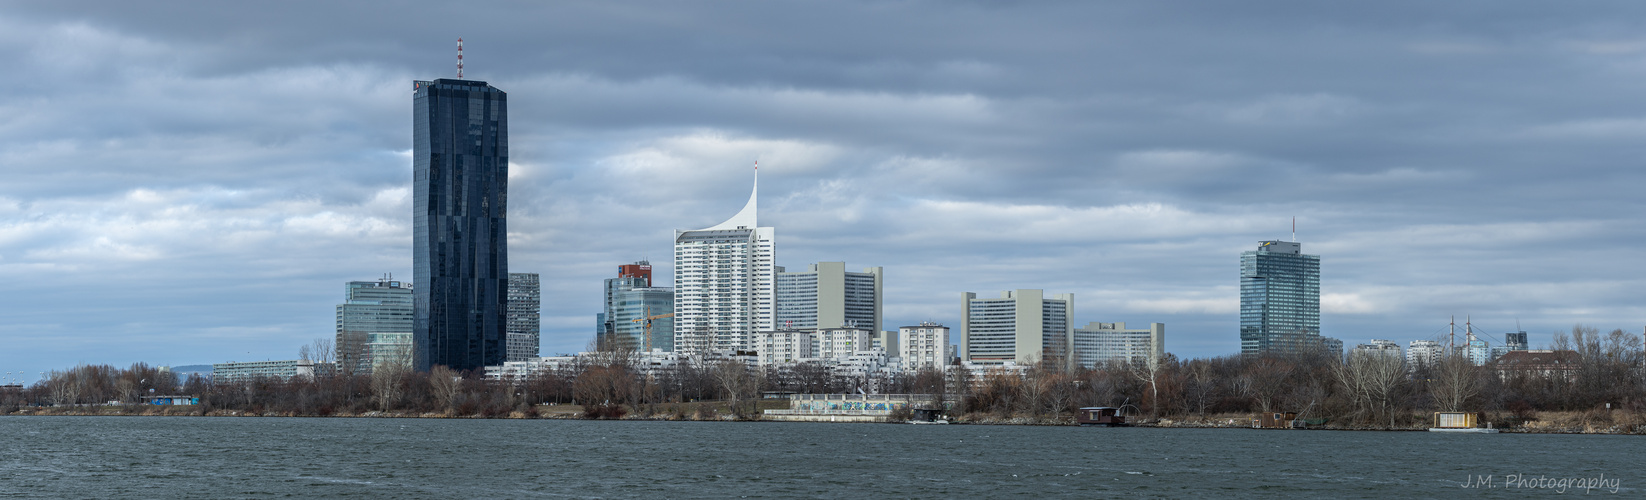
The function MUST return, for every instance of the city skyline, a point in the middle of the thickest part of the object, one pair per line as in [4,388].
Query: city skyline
[189,185]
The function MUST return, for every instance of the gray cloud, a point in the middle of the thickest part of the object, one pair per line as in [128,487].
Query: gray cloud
[193,182]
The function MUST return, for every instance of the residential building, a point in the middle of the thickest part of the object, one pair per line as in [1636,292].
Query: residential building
[724,280]
[1022,326]
[285,370]
[524,320]
[828,296]
[785,347]
[1377,347]
[638,315]
[831,343]
[1103,343]
[1279,299]
[1423,353]
[1478,351]
[460,250]
[370,308]
[923,346]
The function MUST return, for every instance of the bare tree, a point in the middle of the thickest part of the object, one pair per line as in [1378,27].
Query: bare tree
[1371,380]
[1457,383]
[445,384]
[739,386]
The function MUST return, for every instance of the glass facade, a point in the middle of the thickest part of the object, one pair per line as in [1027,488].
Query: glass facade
[460,257]
[629,302]
[525,320]
[370,308]
[1279,299]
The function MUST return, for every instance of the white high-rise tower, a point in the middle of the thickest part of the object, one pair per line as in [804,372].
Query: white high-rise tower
[724,278]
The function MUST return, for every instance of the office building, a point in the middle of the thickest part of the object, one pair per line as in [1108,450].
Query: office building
[1099,344]
[827,296]
[1280,299]
[370,308]
[638,316]
[1021,327]
[460,250]
[724,281]
[524,319]
[390,348]
[923,346]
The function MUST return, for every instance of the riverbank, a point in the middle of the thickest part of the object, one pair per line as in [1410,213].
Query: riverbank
[1592,422]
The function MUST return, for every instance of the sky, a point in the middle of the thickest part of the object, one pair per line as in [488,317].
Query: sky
[194,183]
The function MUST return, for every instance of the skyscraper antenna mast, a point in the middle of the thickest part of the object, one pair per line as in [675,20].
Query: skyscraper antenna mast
[1294,224]
[459,58]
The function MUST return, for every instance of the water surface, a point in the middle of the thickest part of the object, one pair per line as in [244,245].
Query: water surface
[425,458]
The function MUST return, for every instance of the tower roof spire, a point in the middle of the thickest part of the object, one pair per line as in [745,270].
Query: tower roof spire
[745,218]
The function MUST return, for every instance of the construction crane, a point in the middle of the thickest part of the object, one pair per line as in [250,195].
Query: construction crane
[648,319]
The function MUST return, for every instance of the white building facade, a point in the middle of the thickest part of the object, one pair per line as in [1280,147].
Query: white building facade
[785,347]
[1421,353]
[1378,347]
[923,346]
[724,282]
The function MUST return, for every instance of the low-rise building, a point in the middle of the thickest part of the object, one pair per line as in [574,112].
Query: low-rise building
[1542,363]
[842,342]
[285,370]
[784,347]
[1377,347]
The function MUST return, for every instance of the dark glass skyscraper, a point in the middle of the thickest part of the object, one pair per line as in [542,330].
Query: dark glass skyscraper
[460,262]
[1279,299]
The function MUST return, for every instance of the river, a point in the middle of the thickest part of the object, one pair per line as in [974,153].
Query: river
[203,457]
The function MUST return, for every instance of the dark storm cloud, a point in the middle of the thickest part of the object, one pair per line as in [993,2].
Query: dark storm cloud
[193,182]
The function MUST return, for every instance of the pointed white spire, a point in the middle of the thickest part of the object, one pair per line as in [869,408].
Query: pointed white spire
[745,218]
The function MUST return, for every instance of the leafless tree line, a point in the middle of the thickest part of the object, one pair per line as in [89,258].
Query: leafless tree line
[1362,390]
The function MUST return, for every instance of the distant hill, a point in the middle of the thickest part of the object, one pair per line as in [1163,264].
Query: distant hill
[186,369]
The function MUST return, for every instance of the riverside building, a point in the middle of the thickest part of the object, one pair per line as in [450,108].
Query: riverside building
[724,282]
[460,250]
[370,309]
[1021,327]
[525,316]
[1279,299]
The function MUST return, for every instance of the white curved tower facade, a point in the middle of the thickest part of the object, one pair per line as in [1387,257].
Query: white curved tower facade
[724,283]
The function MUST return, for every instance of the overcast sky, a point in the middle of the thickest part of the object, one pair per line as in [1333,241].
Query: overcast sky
[194,183]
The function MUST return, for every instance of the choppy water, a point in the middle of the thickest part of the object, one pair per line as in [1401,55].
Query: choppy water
[149,457]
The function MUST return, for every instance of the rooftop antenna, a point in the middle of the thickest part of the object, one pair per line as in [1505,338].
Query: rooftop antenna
[1294,229]
[459,58]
